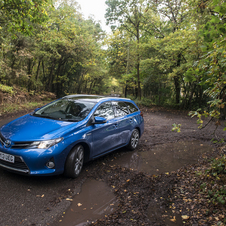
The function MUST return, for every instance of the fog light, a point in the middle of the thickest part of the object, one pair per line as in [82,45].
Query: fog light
[50,165]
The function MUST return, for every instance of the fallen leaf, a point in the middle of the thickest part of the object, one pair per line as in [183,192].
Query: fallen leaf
[185,217]
[79,204]
[174,219]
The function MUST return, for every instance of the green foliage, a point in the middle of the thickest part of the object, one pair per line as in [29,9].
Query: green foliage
[6,89]
[63,56]
[217,170]
[20,16]
[176,127]
[147,102]
[218,166]
[130,17]
[212,65]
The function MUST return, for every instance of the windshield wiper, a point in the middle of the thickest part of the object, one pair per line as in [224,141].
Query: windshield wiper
[69,120]
[45,116]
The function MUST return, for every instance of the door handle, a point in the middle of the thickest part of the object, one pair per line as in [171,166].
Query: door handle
[116,126]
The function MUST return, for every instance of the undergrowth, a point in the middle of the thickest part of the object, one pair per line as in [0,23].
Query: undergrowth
[7,89]
[213,185]
[15,107]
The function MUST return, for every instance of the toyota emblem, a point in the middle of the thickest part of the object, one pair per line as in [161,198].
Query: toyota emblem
[7,143]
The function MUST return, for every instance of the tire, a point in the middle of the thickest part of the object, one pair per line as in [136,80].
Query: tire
[134,139]
[74,162]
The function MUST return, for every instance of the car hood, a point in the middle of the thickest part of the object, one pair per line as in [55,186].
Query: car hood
[31,128]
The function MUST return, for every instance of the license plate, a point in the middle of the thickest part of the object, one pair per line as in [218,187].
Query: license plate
[7,157]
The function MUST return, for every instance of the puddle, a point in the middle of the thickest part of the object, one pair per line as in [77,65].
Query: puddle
[94,201]
[164,158]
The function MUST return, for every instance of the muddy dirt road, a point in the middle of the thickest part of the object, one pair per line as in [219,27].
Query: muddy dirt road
[123,188]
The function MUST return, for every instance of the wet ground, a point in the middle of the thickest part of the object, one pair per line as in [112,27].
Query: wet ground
[158,160]
[121,188]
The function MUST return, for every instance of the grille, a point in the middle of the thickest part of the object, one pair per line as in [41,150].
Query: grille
[21,144]
[19,165]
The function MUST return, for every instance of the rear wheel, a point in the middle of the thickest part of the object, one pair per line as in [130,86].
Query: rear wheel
[134,139]
[74,162]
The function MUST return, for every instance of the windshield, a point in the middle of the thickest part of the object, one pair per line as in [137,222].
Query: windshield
[66,109]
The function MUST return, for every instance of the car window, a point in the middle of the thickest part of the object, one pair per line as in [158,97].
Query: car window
[66,109]
[120,109]
[132,107]
[105,110]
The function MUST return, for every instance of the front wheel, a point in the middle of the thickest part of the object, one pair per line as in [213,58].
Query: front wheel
[74,162]
[134,139]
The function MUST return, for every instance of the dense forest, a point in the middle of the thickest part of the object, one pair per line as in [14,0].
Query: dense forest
[164,52]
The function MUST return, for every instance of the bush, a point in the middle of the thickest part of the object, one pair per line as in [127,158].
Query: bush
[6,89]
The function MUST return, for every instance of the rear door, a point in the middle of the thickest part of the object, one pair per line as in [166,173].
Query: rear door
[124,125]
[104,135]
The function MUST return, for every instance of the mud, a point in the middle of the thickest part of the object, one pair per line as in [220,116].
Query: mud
[169,217]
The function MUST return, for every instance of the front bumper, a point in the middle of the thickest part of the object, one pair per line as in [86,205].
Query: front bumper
[33,161]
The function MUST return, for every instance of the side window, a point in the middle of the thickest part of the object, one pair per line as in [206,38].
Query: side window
[105,110]
[132,107]
[120,109]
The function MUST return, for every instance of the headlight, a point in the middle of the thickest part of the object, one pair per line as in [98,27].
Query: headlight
[45,144]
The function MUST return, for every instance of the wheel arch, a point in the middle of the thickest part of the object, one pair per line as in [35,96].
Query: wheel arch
[86,151]
[138,128]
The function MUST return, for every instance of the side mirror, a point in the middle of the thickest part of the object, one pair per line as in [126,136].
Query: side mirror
[99,120]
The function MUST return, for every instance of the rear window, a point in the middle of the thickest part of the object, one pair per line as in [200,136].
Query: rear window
[132,108]
[120,109]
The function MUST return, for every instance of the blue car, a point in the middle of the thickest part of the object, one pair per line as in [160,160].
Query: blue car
[59,137]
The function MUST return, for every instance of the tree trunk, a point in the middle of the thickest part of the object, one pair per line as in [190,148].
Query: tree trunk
[51,77]
[138,63]
[177,81]
[177,89]
[90,88]
[126,90]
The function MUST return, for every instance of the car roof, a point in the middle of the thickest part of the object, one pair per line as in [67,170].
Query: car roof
[94,98]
